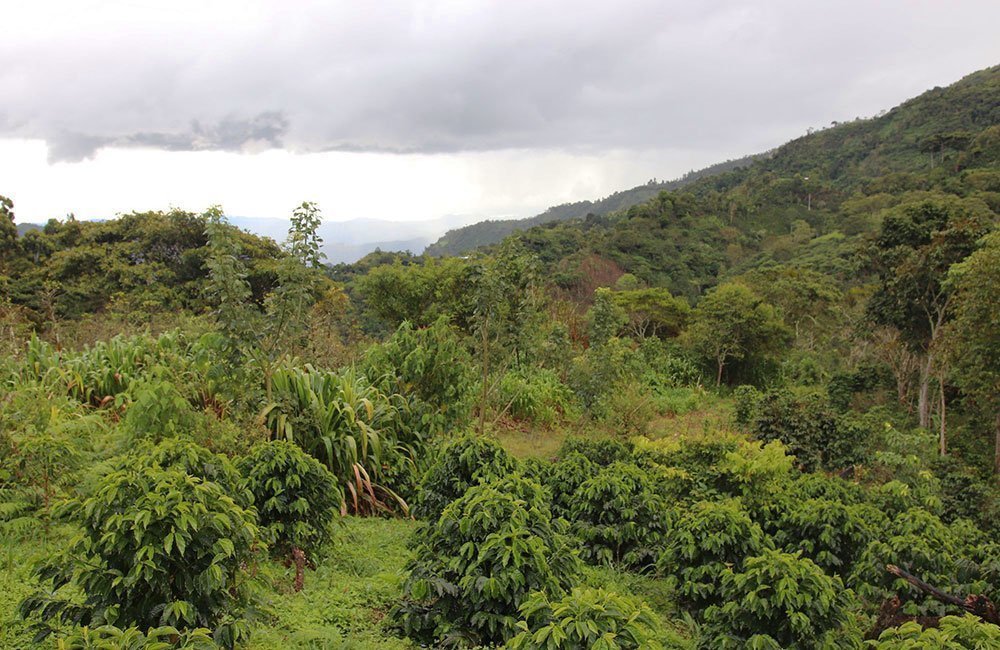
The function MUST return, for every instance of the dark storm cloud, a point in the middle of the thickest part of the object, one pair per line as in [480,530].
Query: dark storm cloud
[466,76]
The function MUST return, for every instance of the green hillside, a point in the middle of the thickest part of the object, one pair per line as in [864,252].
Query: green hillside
[461,240]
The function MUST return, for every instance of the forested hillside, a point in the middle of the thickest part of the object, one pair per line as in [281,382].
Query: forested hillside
[462,240]
[758,411]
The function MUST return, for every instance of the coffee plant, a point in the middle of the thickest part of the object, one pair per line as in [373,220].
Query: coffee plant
[619,517]
[588,618]
[157,548]
[460,464]
[780,601]
[703,543]
[295,496]
[475,566]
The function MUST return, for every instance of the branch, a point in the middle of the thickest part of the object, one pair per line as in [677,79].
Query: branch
[979,605]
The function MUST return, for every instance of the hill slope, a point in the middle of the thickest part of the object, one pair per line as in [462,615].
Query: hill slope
[461,240]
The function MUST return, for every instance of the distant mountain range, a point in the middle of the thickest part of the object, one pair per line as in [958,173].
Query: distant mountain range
[349,241]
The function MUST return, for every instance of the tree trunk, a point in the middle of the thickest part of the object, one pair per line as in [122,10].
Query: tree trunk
[924,395]
[943,441]
[718,376]
[996,448]
[486,372]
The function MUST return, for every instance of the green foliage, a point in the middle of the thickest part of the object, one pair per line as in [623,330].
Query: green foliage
[700,546]
[194,460]
[534,395]
[733,325]
[159,412]
[605,319]
[652,312]
[432,367]
[460,464]
[780,600]
[474,568]
[158,547]
[296,497]
[600,451]
[601,370]
[564,477]
[587,618]
[830,533]
[816,435]
[619,517]
[345,423]
[954,633]
[109,637]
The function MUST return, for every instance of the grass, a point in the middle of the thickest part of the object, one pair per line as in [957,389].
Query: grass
[343,605]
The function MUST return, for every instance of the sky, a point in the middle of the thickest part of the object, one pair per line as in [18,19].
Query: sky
[422,109]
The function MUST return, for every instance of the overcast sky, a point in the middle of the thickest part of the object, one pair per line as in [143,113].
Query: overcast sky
[414,110]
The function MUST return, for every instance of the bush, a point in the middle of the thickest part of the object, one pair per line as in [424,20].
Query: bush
[923,545]
[954,632]
[157,547]
[830,533]
[603,451]
[159,412]
[745,401]
[462,463]
[813,432]
[781,601]
[296,497]
[476,565]
[587,618]
[564,477]
[193,460]
[432,367]
[703,543]
[618,517]
[109,637]
[347,424]
[535,395]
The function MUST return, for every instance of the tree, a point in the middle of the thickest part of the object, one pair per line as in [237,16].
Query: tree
[732,323]
[974,336]
[605,318]
[918,243]
[8,231]
[652,312]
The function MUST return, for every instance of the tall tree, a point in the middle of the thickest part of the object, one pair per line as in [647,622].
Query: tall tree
[973,337]
[917,244]
[732,323]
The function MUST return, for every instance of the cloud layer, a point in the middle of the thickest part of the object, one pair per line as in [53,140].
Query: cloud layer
[433,77]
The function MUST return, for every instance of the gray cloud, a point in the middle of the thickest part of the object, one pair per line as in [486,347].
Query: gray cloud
[445,77]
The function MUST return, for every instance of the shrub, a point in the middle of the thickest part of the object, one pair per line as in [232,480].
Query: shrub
[920,543]
[954,633]
[745,401]
[193,460]
[602,451]
[159,412]
[462,463]
[781,601]
[587,618]
[475,566]
[432,366]
[157,547]
[830,533]
[813,432]
[703,543]
[345,423]
[618,516]
[296,497]
[534,394]
[109,637]
[564,477]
